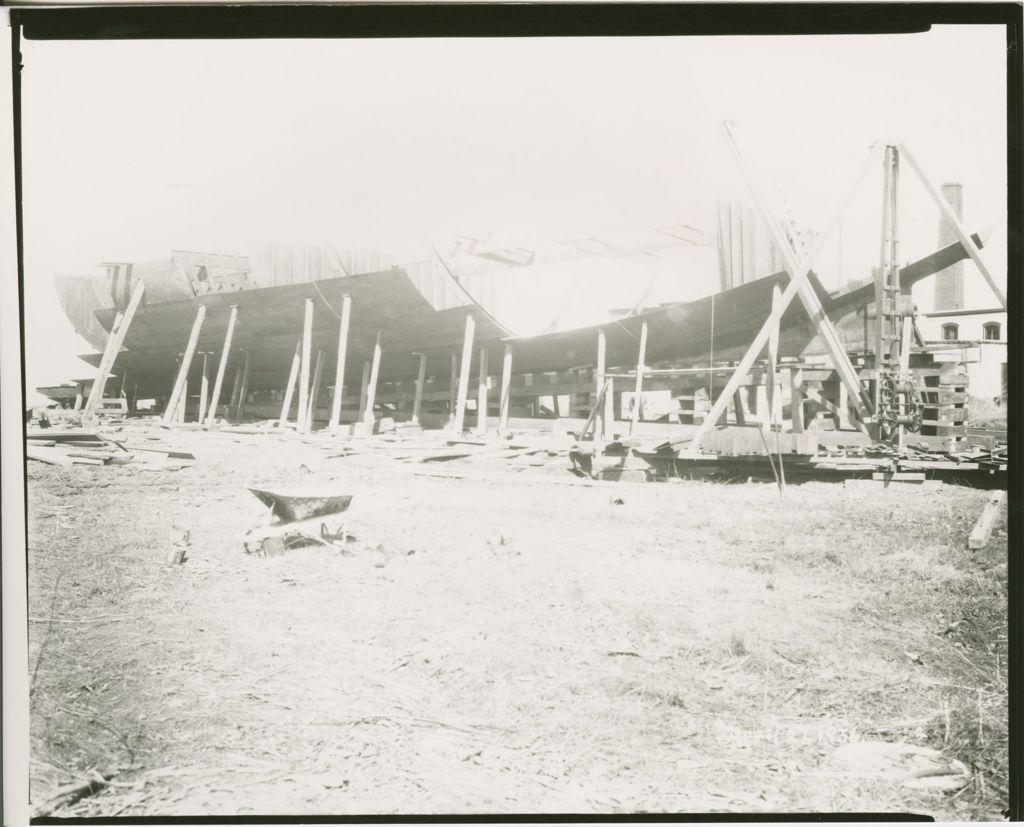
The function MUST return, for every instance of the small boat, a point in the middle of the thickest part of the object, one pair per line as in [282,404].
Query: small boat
[291,507]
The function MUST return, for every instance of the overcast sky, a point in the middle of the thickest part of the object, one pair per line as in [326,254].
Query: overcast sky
[134,148]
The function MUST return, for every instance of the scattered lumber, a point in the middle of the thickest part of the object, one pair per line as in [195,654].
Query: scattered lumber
[982,530]
[48,455]
[73,447]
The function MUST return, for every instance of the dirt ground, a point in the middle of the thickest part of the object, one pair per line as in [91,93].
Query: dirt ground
[523,642]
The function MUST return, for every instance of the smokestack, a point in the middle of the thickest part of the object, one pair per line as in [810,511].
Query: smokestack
[949,283]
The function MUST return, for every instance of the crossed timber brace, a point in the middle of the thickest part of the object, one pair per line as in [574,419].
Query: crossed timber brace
[798,285]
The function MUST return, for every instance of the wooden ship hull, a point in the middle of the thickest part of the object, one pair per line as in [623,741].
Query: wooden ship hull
[416,309]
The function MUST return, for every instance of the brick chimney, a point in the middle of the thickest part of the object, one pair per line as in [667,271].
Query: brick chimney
[949,283]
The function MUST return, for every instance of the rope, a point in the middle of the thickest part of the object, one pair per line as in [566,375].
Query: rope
[324,299]
[771,462]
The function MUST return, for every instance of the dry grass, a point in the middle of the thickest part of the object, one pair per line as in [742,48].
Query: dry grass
[986,413]
[527,646]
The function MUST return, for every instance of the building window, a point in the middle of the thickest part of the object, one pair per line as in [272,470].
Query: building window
[950,332]
[992,331]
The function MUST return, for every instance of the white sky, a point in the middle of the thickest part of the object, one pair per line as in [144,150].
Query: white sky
[134,148]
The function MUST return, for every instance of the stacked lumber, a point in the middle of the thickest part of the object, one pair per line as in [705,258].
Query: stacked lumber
[944,397]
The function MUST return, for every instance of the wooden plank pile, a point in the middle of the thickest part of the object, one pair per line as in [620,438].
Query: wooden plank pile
[78,447]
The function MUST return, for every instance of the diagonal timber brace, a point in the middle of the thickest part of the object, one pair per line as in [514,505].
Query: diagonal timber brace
[798,276]
[962,235]
[812,304]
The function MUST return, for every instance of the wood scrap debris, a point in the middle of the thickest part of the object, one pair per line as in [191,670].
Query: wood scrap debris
[77,447]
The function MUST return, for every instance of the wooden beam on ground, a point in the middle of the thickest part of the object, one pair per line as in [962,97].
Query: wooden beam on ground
[982,531]
[371,388]
[421,381]
[116,339]
[954,223]
[315,393]
[481,393]
[289,392]
[339,371]
[307,346]
[222,367]
[186,363]
[467,357]
[641,358]
[506,385]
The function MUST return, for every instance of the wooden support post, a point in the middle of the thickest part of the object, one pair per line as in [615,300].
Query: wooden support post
[289,392]
[954,223]
[481,393]
[421,380]
[363,388]
[236,386]
[222,367]
[339,371]
[467,357]
[774,411]
[506,389]
[204,390]
[371,389]
[739,407]
[599,388]
[843,409]
[453,387]
[114,343]
[760,406]
[243,390]
[182,404]
[315,392]
[796,399]
[905,341]
[307,345]
[641,357]
[186,363]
